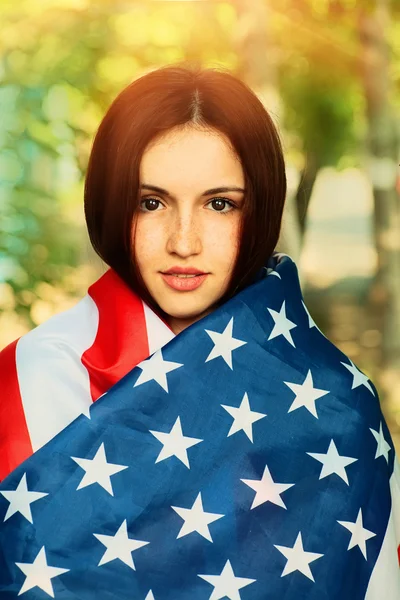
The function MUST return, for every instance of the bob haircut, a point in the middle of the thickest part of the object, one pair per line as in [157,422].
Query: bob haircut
[183,94]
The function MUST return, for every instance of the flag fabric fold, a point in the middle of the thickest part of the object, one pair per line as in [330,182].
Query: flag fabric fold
[245,458]
[52,374]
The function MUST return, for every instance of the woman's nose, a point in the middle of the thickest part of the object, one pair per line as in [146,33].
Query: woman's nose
[184,236]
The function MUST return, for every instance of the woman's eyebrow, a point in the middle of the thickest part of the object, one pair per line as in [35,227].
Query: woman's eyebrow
[217,190]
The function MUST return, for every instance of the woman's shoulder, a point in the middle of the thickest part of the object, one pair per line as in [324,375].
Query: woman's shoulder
[45,386]
[67,332]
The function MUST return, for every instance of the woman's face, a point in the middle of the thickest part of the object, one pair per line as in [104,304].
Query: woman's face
[187,225]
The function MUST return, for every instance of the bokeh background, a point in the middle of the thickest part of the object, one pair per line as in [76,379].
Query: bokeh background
[327,70]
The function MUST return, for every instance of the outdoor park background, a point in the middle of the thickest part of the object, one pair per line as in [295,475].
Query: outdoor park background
[327,70]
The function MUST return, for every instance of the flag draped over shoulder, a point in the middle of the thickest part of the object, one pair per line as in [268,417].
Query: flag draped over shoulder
[52,374]
[245,458]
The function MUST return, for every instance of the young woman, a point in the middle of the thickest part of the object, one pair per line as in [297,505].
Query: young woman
[197,340]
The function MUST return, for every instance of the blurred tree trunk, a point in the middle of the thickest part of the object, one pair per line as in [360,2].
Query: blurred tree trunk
[303,194]
[383,147]
[257,67]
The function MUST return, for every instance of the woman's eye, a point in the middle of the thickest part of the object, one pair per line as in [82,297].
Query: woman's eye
[221,203]
[151,204]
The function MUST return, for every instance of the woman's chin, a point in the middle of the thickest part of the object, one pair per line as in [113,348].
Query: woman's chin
[185,310]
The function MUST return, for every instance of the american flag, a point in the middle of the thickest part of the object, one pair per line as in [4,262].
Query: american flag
[245,458]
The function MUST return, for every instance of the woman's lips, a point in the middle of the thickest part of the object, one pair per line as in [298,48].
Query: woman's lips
[184,284]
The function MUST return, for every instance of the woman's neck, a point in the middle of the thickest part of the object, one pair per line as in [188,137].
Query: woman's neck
[179,324]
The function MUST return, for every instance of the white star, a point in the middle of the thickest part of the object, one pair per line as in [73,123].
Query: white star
[311,322]
[119,546]
[282,325]
[21,499]
[358,377]
[98,470]
[382,448]
[359,535]
[39,574]
[298,558]
[280,255]
[224,344]
[271,271]
[267,490]
[333,462]
[156,368]
[150,596]
[306,394]
[175,443]
[243,417]
[196,519]
[226,584]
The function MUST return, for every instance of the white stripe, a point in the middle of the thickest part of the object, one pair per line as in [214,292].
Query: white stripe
[54,385]
[385,578]
[158,334]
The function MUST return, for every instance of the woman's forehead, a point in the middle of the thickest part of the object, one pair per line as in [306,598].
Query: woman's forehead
[191,157]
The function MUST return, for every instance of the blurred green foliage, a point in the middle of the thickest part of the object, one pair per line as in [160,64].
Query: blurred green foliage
[63,62]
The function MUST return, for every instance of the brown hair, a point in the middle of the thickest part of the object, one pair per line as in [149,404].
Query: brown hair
[171,96]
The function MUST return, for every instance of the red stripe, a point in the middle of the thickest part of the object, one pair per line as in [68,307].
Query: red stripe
[15,444]
[398,553]
[121,341]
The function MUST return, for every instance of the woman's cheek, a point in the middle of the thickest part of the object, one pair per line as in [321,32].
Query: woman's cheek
[228,237]
[148,240]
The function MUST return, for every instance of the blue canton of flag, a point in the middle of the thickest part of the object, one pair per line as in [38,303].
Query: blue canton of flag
[248,458]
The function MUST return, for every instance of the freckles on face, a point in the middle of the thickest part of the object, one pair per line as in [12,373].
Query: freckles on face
[222,241]
[181,226]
